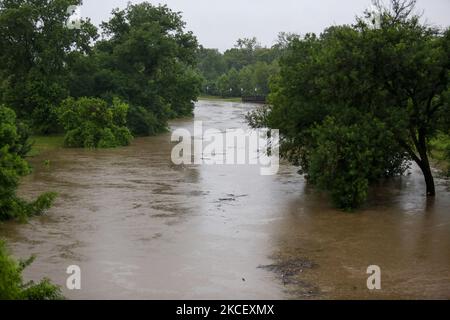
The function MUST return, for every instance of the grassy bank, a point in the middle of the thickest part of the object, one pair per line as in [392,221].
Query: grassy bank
[216,98]
[45,143]
[440,152]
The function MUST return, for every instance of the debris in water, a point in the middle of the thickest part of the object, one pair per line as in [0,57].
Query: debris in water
[289,271]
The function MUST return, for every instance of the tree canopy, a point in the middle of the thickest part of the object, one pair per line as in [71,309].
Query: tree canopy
[144,57]
[148,60]
[35,51]
[358,102]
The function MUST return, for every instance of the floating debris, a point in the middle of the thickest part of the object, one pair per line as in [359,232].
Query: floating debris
[289,271]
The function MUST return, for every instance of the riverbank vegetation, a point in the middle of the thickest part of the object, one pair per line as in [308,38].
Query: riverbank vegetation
[14,146]
[357,103]
[380,85]
[245,70]
[142,55]
[96,88]
[12,285]
[13,166]
[92,123]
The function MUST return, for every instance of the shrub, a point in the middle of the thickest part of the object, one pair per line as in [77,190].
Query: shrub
[123,135]
[107,139]
[346,159]
[12,286]
[91,123]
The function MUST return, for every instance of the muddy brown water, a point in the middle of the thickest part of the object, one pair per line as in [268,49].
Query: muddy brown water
[142,228]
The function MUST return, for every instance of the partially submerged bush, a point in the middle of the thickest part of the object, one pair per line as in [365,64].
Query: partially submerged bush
[12,286]
[12,167]
[91,123]
[346,159]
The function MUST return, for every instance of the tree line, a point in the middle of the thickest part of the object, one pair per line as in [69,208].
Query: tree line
[244,70]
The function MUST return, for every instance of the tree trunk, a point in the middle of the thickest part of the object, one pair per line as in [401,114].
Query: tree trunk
[424,163]
[422,159]
[428,175]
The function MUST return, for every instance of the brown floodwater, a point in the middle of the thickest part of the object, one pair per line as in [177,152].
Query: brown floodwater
[142,228]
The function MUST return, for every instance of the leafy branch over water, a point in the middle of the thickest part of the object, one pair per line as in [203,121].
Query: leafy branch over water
[12,286]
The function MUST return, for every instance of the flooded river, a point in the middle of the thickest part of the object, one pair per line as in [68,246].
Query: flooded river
[140,227]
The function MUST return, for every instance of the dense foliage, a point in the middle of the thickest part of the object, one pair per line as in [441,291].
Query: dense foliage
[92,123]
[12,286]
[144,57]
[35,53]
[244,70]
[12,167]
[356,103]
[13,147]
[347,157]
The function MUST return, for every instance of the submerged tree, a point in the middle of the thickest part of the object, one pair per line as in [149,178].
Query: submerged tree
[92,123]
[411,64]
[357,103]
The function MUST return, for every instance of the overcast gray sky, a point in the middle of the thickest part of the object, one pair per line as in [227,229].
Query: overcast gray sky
[219,23]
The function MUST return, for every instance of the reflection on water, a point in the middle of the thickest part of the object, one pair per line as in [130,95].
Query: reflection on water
[141,228]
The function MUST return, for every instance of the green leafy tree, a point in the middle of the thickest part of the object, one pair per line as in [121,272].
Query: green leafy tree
[92,123]
[387,69]
[263,73]
[223,86]
[347,158]
[412,73]
[247,81]
[147,59]
[211,63]
[243,54]
[34,57]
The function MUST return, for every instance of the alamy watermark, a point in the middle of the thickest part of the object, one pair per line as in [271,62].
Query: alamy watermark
[230,147]
[73,282]
[374,280]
